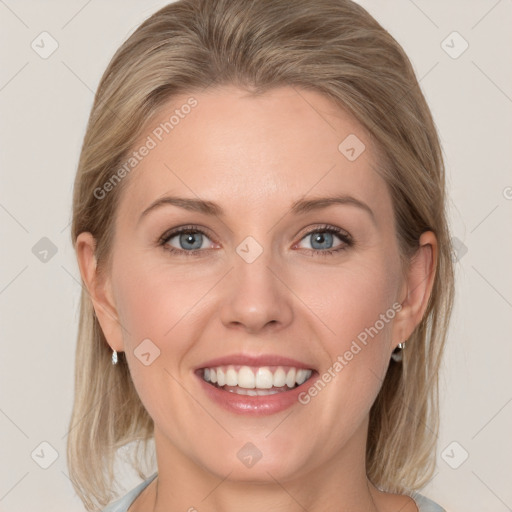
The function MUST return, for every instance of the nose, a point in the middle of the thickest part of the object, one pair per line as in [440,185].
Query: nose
[256,297]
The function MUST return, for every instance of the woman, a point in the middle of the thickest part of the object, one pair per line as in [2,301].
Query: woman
[259,221]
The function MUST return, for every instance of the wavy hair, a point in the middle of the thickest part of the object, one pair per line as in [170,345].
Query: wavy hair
[336,48]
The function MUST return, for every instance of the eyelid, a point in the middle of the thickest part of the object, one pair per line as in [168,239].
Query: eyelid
[323,227]
[344,236]
[171,233]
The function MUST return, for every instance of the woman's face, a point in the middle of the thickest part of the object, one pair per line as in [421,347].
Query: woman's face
[274,275]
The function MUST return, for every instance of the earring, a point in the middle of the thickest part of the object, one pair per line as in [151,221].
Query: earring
[397,353]
[114,357]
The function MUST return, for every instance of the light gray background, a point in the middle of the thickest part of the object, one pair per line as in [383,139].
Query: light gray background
[44,107]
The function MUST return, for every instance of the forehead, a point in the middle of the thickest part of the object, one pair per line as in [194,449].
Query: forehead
[252,151]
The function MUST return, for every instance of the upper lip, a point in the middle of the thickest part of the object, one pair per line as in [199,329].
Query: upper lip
[259,360]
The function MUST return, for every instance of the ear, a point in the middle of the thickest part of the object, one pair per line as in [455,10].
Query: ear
[99,289]
[417,288]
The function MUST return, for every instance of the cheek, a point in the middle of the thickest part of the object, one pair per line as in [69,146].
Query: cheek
[356,306]
[160,310]
[153,304]
[152,299]
[352,302]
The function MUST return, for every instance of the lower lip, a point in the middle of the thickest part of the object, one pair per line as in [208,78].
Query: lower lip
[254,405]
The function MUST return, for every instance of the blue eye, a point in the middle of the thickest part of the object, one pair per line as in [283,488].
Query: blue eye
[321,237]
[190,240]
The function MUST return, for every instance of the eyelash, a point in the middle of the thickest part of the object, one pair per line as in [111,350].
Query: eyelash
[341,234]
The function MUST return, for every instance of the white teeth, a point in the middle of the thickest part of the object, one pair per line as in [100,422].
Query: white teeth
[231,377]
[246,378]
[290,378]
[279,378]
[302,376]
[264,378]
[251,381]
[253,392]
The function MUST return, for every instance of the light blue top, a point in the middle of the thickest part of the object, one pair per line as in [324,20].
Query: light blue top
[122,504]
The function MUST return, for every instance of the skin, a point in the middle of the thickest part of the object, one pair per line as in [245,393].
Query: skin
[254,156]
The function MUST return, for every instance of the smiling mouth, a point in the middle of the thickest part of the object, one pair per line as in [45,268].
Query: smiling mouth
[255,381]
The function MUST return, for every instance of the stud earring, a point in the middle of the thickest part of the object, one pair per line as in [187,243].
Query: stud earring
[397,353]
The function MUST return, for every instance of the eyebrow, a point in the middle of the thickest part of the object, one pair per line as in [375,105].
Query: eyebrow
[299,207]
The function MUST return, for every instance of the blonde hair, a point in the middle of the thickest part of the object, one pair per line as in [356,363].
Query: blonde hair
[334,47]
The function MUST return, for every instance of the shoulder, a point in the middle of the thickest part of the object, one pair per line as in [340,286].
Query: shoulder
[425,504]
[122,504]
